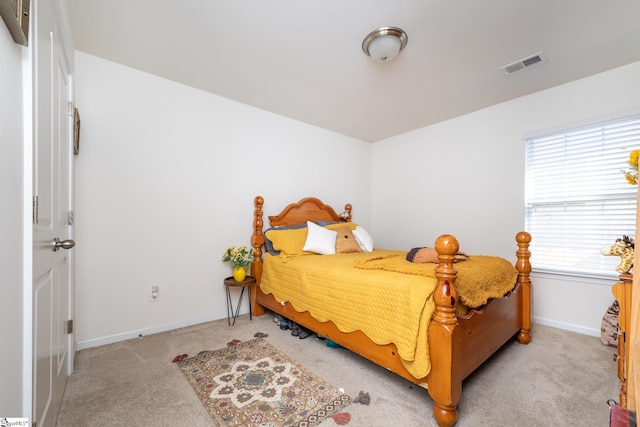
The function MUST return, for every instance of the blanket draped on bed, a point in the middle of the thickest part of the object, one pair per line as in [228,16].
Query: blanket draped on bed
[387,305]
[480,278]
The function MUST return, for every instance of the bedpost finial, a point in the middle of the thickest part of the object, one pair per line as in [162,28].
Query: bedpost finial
[258,201]
[523,237]
[447,245]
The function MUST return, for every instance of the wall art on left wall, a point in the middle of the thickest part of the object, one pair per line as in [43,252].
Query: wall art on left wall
[15,14]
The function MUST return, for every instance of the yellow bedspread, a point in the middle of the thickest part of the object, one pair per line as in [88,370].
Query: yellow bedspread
[479,279]
[386,305]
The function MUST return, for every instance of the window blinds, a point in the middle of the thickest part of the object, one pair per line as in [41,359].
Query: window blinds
[577,199]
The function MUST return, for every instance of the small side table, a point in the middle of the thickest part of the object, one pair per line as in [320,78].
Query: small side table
[229,283]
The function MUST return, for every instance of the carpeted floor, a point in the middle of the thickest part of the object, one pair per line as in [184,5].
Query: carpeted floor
[560,379]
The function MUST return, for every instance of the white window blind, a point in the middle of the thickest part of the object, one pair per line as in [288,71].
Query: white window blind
[577,199]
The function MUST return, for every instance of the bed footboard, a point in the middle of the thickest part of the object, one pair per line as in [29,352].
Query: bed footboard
[479,335]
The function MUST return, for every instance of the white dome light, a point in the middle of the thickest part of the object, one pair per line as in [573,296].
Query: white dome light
[384,44]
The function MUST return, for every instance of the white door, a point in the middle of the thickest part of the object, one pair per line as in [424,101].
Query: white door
[52,275]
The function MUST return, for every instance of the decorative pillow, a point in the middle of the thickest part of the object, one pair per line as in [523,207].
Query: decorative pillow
[320,240]
[423,255]
[288,243]
[269,244]
[345,242]
[365,241]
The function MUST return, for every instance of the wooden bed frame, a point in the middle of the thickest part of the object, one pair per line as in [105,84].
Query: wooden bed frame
[457,344]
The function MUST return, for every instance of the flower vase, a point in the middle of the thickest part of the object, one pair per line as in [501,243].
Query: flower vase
[239,273]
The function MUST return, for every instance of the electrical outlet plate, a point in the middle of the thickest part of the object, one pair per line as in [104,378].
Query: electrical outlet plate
[155,293]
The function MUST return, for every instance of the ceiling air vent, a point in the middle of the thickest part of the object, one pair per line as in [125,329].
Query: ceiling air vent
[528,62]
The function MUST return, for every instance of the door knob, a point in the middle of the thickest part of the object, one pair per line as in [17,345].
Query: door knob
[64,244]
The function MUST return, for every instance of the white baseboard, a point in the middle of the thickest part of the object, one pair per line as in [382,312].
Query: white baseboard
[96,342]
[567,326]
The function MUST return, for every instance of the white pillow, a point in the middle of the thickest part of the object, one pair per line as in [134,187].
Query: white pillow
[365,241]
[320,240]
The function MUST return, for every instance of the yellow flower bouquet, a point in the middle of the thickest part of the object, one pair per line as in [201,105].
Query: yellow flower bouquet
[240,256]
[632,173]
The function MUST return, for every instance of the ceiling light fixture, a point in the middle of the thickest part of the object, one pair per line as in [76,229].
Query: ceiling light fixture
[385,43]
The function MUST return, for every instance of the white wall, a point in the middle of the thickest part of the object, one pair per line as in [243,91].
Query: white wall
[167,174]
[11,225]
[477,194]
[165,182]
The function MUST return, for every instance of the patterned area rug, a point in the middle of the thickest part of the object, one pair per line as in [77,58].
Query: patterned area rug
[253,384]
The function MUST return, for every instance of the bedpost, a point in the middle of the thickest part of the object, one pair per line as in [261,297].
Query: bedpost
[524,269]
[257,240]
[444,380]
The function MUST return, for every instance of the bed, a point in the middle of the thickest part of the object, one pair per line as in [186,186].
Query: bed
[451,339]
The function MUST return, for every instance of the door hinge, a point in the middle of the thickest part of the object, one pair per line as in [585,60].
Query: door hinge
[35,209]
[69,326]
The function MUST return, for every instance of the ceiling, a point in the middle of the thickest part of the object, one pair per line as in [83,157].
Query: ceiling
[303,59]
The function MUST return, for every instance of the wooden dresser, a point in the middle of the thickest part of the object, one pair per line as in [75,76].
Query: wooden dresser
[633,351]
[633,357]
[629,341]
[623,292]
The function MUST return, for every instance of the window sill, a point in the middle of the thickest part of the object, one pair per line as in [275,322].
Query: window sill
[575,277]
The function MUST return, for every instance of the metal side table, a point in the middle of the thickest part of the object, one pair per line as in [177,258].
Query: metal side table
[229,283]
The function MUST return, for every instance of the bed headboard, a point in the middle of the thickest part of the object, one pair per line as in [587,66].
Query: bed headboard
[308,209]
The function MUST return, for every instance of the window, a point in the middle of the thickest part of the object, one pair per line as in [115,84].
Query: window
[577,199]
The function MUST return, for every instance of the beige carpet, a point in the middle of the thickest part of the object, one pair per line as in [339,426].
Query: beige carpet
[560,379]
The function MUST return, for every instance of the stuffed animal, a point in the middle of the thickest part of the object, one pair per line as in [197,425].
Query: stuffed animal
[623,247]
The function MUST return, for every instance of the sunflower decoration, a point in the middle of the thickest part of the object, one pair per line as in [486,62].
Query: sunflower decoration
[240,256]
[632,173]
